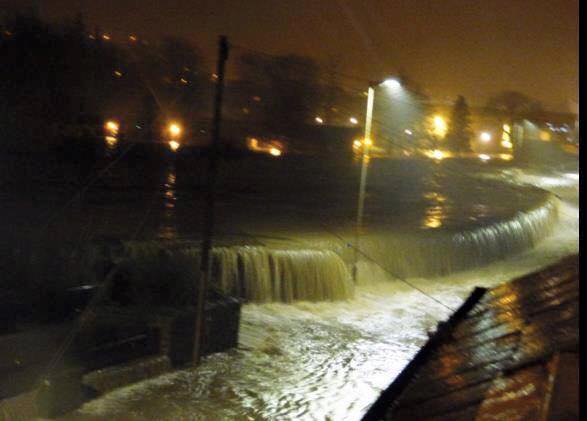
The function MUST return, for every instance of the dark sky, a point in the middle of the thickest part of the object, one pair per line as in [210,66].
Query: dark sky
[450,47]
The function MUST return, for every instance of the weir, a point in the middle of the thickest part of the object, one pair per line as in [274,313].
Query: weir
[320,270]
[430,254]
[261,274]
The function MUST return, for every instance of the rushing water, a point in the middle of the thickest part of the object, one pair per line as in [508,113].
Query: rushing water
[318,361]
[263,275]
[327,360]
[283,234]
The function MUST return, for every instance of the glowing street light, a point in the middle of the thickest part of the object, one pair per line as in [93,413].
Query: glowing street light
[439,126]
[275,152]
[319,120]
[353,120]
[391,83]
[112,127]
[485,137]
[174,130]
[437,154]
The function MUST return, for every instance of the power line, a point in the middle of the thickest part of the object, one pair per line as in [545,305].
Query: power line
[395,275]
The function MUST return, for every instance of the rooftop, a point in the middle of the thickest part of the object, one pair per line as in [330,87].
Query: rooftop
[511,352]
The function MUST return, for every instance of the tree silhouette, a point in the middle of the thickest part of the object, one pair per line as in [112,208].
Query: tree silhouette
[459,132]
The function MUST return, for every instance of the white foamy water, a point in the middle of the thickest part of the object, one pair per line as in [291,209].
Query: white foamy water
[259,274]
[323,360]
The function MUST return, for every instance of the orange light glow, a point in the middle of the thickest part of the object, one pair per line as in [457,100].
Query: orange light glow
[485,137]
[271,147]
[174,129]
[436,154]
[439,126]
[174,145]
[111,141]
[112,127]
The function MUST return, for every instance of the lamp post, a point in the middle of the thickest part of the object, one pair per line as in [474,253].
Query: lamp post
[367,142]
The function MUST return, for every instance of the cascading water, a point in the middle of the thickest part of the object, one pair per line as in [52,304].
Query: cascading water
[437,253]
[330,360]
[260,274]
[319,273]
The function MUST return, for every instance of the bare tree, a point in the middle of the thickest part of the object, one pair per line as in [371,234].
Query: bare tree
[459,131]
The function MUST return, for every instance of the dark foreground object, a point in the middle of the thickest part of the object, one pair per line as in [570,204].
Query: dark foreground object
[511,352]
[50,371]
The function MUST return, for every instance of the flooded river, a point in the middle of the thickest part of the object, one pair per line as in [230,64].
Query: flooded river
[326,360]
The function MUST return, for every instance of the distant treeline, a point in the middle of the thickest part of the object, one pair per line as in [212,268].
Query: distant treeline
[55,76]
[58,78]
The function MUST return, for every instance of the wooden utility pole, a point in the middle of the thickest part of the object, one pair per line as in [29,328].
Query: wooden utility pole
[210,198]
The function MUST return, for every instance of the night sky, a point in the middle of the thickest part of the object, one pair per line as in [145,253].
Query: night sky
[449,47]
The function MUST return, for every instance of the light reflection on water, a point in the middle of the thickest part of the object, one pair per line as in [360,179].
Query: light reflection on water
[318,361]
[168,223]
[288,196]
[295,362]
[314,361]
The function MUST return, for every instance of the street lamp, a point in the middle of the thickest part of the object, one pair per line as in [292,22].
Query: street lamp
[389,83]
[174,130]
[485,137]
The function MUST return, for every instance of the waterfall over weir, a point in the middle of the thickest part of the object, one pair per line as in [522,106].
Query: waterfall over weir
[429,254]
[320,270]
[260,274]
